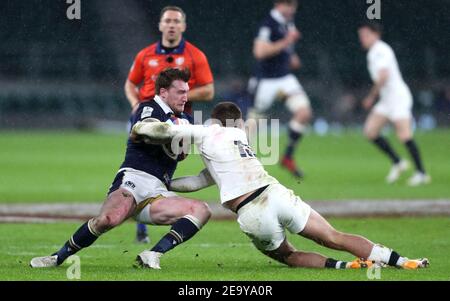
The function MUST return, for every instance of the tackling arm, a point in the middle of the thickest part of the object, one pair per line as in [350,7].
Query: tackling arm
[163,133]
[192,183]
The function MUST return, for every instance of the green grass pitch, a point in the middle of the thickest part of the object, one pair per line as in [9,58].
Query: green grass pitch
[79,167]
[220,251]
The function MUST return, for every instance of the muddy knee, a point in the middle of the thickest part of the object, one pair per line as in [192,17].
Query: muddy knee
[106,222]
[201,210]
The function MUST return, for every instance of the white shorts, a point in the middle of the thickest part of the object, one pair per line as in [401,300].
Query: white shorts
[144,187]
[267,90]
[395,106]
[265,218]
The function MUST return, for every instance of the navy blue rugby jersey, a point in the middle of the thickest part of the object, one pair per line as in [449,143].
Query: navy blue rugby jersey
[148,158]
[277,66]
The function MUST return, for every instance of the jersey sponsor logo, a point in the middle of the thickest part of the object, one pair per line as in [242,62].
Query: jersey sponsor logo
[153,63]
[130,184]
[146,112]
[179,61]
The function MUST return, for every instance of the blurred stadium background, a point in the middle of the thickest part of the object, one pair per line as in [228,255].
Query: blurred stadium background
[74,70]
[63,117]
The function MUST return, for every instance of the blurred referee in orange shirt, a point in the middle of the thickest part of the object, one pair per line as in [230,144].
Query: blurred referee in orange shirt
[172,50]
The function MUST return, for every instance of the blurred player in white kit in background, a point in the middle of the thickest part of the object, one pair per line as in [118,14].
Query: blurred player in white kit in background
[394,104]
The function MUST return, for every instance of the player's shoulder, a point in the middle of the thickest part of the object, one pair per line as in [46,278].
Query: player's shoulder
[380,47]
[194,49]
[149,109]
[268,20]
[235,133]
[148,50]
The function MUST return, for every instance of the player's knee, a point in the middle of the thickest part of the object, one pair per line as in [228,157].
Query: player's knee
[100,224]
[107,221]
[303,115]
[404,136]
[202,210]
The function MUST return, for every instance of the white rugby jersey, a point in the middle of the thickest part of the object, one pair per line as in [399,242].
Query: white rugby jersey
[228,158]
[381,56]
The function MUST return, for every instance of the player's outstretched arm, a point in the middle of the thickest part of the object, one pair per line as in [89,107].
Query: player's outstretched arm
[192,183]
[151,131]
[163,133]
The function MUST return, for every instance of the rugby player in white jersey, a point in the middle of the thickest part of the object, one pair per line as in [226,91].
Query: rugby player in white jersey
[264,207]
[394,105]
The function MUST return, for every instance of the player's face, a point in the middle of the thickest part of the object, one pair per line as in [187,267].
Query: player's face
[176,95]
[172,25]
[288,11]
[367,37]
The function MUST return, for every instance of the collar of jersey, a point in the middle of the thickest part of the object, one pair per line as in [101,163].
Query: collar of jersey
[177,50]
[278,16]
[163,105]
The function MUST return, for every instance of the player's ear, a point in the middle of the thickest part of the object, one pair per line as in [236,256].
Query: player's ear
[163,92]
[183,27]
[160,26]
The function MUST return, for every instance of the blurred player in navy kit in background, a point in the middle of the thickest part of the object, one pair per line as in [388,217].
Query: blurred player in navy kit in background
[169,52]
[140,190]
[274,51]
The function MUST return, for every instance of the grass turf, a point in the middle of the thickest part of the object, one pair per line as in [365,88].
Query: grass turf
[220,252]
[79,167]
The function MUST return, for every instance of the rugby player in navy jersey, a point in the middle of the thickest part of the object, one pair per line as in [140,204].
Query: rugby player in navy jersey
[140,188]
[274,52]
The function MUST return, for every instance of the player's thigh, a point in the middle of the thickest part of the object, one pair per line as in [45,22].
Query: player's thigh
[166,211]
[265,218]
[403,129]
[289,85]
[119,206]
[374,124]
[260,223]
[266,93]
